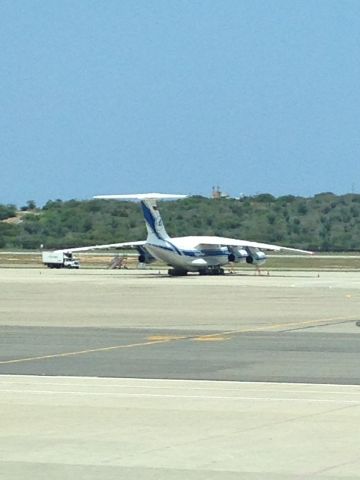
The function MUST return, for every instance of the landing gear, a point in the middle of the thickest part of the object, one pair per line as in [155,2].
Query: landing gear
[177,272]
[212,271]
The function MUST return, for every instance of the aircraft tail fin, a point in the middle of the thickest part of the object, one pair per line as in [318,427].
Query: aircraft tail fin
[154,224]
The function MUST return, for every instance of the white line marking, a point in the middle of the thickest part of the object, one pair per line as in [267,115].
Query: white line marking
[209,388]
[217,397]
[170,380]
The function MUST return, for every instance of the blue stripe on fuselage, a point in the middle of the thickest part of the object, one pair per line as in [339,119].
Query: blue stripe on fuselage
[192,253]
[214,253]
[179,252]
[171,248]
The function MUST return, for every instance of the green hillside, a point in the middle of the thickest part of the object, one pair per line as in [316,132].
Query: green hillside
[325,222]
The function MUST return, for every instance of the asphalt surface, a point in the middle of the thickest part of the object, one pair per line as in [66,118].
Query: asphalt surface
[289,327]
[134,375]
[100,428]
[301,355]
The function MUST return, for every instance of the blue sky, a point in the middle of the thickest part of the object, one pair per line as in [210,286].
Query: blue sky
[104,97]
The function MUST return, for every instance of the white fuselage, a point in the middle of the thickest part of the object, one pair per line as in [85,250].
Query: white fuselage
[192,253]
[182,253]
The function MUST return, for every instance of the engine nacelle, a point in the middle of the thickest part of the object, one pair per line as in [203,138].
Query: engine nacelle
[237,255]
[144,256]
[255,256]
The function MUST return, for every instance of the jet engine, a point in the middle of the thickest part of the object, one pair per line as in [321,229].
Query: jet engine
[237,255]
[255,256]
[144,256]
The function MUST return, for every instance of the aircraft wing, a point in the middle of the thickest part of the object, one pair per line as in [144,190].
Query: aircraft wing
[103,247]
[263,246]
[233,242]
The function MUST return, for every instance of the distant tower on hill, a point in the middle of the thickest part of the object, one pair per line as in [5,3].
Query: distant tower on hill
[217,193]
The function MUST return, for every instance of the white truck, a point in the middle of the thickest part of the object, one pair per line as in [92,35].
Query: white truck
[59,259]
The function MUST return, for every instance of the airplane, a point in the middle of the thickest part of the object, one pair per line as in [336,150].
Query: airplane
[203,254]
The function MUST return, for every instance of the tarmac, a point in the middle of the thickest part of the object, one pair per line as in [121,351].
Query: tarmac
[132,374]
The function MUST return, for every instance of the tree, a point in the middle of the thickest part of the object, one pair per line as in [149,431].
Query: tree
[30,205]
[7,211]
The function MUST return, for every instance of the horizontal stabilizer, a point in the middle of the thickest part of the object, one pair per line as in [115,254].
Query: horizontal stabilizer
[141,196]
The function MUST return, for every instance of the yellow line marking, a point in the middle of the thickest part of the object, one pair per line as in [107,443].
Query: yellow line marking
[155,338]
[81,352]
[204,338]
[166,339]
[282,326]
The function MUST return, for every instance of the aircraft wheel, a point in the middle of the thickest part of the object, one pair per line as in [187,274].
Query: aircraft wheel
[217,271]
[177,273]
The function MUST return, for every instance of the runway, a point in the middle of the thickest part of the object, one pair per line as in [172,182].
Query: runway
[138,375]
